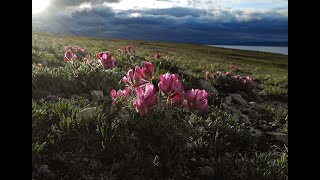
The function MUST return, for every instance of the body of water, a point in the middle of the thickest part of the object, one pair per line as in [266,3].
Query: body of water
[271,49]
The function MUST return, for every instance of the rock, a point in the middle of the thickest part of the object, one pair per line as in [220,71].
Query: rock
[208,87]
[224,106]
[256,132]
[237,98]
[44,169]
[260,87]
[236,113]
[265,127]
[88,113]
[279,136]
[44,63]
[52,97]
[97,94]
[246,111]
[228,100]
[86,101]
[252,103]
[203,160]
[245,119]
[206,171]
[75,96]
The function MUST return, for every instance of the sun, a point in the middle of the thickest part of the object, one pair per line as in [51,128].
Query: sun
[39,5]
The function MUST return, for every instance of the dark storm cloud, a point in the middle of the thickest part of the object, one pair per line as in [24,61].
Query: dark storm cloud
[171,24]
[62,3]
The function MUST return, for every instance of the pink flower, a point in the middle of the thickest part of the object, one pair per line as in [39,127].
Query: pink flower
[134,80]
[207,75]
[69,56]
[238,77]
[88,59]
[157,55]
[116,95]
[218,73]
[129,49]
[126,49]
[228,73]
[248,78]
[171,87]
[234,67]
[79,49]
[147,72]
[68,48]
[146,99]
[196,100]
[106,59]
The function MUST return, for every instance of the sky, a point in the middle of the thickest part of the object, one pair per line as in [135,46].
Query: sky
[226,22]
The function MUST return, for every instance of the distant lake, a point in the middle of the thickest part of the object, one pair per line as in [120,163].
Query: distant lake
[271,49]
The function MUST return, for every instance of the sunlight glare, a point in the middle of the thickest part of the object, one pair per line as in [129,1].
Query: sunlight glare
[39,5]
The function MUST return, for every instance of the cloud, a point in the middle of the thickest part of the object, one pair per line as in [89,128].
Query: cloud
[177,24]
[64,3]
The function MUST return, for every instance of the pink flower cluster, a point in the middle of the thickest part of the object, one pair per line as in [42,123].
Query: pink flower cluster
[238,77]
[78,49]
[140,76]
[72,54]
[106,59]
[234,67]
[117,95]
[87,59]
[126,50]
[169,85]
[196,100]
[172,88]
[247,80]
[69,55]
[157,55]
[139,81]
[146,99]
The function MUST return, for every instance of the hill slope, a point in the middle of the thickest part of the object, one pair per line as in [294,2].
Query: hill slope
[79,134]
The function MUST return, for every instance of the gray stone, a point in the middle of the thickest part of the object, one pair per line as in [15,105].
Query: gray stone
[208,87]
[265,127]
[252,103]
[256,132]
[44,169]
[203,160]
[279,136]
[245,119]
[75,96]
[53,97]
[97,94]
[228,100]
[44,63]
[237,98]
[236,113]
[224,106]
[260,87]
[206,171]
[86,100]
[88,113]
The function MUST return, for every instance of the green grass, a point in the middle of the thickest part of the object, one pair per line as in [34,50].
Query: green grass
[168,143]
